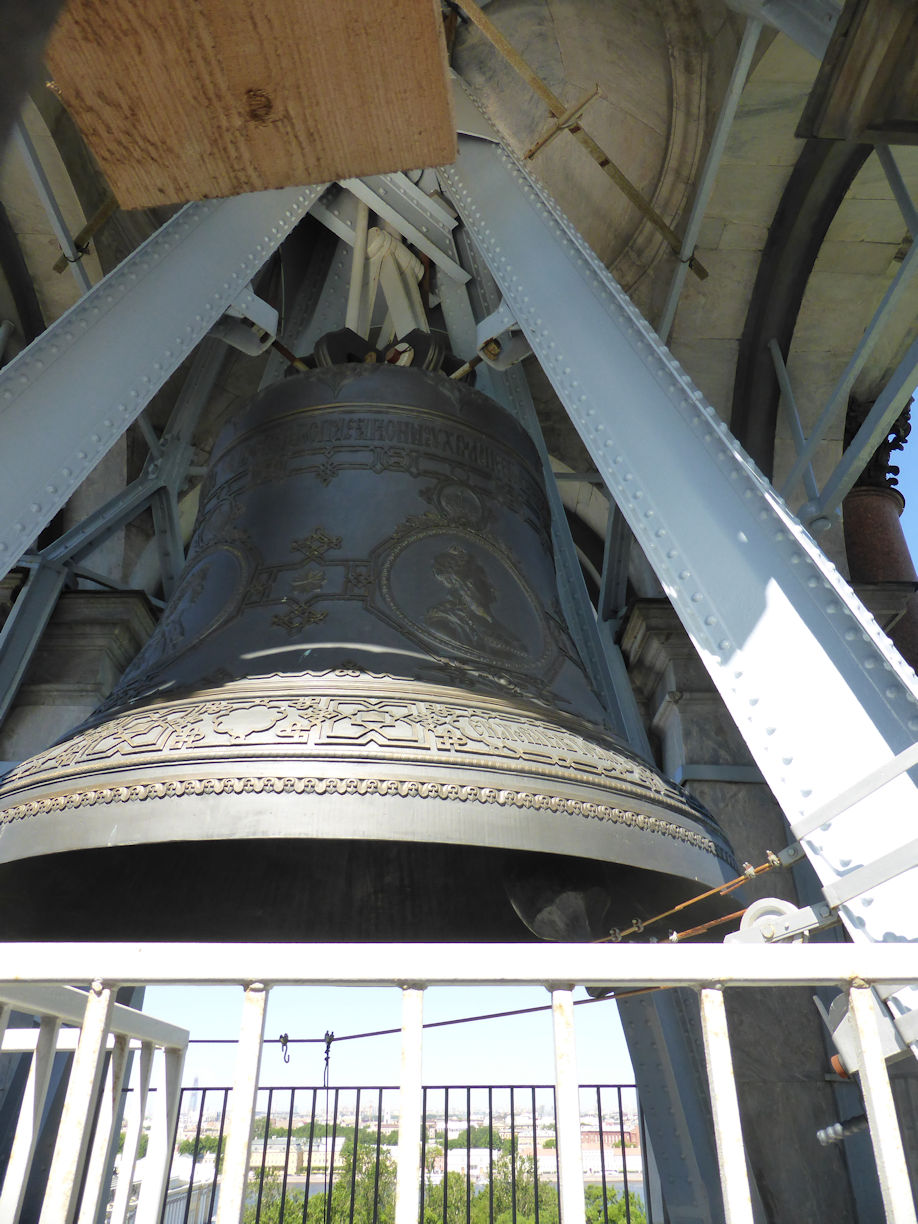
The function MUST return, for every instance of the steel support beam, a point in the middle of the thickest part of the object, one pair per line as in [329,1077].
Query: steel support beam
[815,687]
[838,400]
[705,185]
[808,22]
[877,424]
[68,397]
[160,482]
[52,209]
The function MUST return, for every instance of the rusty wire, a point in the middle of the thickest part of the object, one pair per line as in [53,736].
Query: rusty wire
[749,873]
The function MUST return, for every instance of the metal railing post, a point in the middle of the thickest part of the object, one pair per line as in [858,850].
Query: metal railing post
[408,1176]
[162,1134]
[245,1091]
[881,1110]
[69,1158]
[132,1136]
[27,1127]
[98,1157]
[728,1134]
[567,1106]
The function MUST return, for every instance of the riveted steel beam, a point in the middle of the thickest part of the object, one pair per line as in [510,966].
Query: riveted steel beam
[69,396]
[815,687]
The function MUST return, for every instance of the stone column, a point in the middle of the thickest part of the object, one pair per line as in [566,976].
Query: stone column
[89,641]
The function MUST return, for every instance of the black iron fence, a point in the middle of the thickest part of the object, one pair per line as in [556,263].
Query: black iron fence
[488,1156]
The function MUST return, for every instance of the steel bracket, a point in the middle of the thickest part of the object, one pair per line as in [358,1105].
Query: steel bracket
[249,324]
[499,340]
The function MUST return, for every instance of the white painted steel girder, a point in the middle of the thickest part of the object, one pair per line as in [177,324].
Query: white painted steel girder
[817,690]
[68,397]
[622,966]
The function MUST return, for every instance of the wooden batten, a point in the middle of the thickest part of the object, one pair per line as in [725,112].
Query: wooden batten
[867,86]
[189,99]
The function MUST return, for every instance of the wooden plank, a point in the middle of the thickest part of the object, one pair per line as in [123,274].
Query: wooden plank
[867,86]
[189,99]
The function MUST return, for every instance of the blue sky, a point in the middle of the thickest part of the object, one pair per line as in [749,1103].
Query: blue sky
[516,1050]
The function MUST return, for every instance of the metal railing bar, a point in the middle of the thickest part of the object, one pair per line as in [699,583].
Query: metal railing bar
[535,1155]
[379,1104]
[620,966]
[424,1092]
[219,1151]
[312,1131]
[554,1101]
[354,1160]
[621,1142]
[330,1160]
[194,1155]
[513,1154]
[602,1155]
[445,1151]
[283,1199]
[490,1154]
[468,1158]
[264,1156]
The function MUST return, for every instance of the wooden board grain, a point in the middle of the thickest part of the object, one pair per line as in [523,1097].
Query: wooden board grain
[189,99]
[867,86]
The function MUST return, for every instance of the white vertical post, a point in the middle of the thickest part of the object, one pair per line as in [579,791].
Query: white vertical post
[728,1134]
[245,1092]
[410,1107]
[108,1108]
[33,1103]
[567,1108]
[136,1110]
[159,1151]
[69,1157]
[881,1110]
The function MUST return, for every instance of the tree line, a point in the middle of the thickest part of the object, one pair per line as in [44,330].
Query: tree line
[449,1201]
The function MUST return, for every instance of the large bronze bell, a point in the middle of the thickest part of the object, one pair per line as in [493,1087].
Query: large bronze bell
[361,716]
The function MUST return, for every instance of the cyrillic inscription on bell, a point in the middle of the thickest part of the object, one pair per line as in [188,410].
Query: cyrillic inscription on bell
[361,716]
